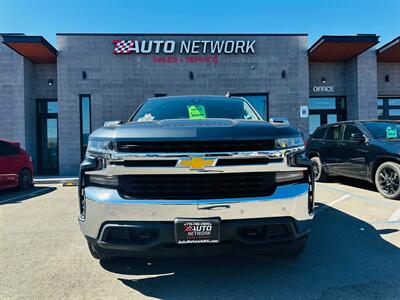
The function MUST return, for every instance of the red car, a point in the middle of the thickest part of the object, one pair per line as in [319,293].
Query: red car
[16,169]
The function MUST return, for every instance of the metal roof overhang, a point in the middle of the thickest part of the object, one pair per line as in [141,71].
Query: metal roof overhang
[389,52]
[34,48]
[331,48]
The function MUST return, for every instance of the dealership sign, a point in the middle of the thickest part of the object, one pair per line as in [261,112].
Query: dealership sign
[184,47]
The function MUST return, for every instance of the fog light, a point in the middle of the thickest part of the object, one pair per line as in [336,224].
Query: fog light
[288,176]
[104,180]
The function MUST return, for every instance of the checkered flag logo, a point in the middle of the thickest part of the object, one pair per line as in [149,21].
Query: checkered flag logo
[123,46]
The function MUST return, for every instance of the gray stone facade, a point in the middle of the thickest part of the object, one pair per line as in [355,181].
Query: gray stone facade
[119,83]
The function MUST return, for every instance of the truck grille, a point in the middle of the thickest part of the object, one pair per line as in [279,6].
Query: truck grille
[197,186]
[196,146]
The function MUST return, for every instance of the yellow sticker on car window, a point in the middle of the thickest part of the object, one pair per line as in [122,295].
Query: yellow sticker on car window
[391,132]
[197,112]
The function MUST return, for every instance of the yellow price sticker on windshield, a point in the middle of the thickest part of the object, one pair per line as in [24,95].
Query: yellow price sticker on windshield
[197,112]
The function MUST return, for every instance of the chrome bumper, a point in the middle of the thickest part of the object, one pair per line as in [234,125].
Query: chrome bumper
[104,205]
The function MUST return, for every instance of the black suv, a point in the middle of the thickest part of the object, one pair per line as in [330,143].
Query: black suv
[368,150]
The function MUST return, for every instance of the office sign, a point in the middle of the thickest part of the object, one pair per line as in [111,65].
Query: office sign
[184,47]
[323,89]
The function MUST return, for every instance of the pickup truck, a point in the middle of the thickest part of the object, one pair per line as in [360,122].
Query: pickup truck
[195,175]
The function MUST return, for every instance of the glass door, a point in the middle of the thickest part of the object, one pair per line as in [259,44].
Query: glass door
[47,130]
[325,111]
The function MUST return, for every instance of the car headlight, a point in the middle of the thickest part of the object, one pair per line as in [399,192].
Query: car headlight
[289,142]
[100,146]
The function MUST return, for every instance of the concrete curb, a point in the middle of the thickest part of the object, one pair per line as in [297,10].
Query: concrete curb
[73,181]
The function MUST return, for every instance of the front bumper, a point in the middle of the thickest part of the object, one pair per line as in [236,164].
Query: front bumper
[105,206]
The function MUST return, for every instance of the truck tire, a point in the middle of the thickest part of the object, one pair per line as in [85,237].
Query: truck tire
[318,170]
[98,255]
[25,179]
[387,180]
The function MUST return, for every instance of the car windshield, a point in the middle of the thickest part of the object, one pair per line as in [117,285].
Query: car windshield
[383,130]
[194,108]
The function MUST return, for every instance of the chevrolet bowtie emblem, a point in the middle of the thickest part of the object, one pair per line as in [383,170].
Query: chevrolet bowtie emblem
[196,163]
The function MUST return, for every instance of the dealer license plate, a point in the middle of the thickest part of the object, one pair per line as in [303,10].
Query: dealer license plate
[197,231]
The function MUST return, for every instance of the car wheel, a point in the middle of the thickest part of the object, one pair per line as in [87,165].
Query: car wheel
[318,171]
[25,179]
[98,255]
[387,180]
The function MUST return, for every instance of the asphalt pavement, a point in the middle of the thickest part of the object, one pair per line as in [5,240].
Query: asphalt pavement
[353,253]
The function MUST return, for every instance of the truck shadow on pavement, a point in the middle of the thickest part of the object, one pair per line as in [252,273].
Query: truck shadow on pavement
[356,183]
[345,258]
[13,196]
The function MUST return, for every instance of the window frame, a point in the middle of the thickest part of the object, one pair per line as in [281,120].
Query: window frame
[81,97]
[340,132]
[349,125]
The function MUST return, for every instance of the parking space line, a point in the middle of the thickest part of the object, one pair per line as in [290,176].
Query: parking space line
[331,204]
[395,216]
[383,202]
[26,195]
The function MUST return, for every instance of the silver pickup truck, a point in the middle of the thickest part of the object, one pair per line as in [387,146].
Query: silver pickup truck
[195,175]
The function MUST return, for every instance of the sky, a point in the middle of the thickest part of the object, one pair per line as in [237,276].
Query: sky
[315,17]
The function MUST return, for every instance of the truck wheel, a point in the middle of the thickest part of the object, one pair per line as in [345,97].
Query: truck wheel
[25,179]
[387,180]
[98,255]
[318,170]
[296,248]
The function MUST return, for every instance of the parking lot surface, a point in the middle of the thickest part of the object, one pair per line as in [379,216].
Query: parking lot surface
[353,253]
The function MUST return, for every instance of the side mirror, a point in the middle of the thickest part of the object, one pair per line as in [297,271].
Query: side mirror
[112,123]
[357,137]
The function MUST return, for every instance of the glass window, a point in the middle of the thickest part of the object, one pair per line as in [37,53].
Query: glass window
[333,133]
[380,112]
[259,102]
[85,122]
[331,118]
[52,107]
[314,121]
[394,102]
[194,108]
[319,133]
[322,103]
[383,130]
[379,102]
[7,149]
[349,129]
[394,112]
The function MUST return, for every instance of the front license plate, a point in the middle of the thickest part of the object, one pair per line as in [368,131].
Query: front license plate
[197,231]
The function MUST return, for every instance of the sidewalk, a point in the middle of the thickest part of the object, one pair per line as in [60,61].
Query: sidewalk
[71,181]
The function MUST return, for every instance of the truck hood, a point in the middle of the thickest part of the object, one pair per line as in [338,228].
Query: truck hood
[185,129]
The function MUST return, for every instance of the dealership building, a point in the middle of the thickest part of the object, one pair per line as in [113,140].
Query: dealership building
[53,96]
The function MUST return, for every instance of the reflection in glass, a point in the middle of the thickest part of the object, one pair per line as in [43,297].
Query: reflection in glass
[322,103]
[379,102]
[52,144]
[331,118]
[394,101]
[85,122]
[394,112]
[314,121]
[259,102]
[52,107]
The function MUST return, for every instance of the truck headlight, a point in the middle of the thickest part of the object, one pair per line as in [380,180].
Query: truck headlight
[100,145]
[289,142]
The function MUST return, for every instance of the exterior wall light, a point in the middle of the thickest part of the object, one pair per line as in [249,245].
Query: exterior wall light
[84,75]
[283,74]
[323,79]
[252,67]
[50,82]
[191,76]
[387,78]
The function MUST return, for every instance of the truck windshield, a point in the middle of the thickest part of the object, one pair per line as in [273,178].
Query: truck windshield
[194,108]
[383,130]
